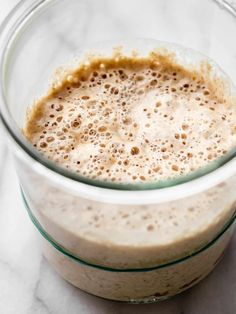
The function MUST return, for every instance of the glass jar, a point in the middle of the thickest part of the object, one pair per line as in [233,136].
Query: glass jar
[119,242]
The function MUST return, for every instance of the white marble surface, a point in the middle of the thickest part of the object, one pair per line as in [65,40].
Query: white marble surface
[29,285]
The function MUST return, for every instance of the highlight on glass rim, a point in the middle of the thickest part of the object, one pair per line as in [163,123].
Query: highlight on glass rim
[118,156]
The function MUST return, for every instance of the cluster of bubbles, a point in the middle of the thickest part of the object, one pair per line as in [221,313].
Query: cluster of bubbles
[133,125]
[154,218]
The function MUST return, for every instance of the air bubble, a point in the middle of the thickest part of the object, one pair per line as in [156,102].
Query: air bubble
[127,121]
[139,78]
[50,139]
[58,107]
[59,119]
[43,144]
[134,150]
[153,83]
[102,129]
[150,228]
[85,97]
[175,167]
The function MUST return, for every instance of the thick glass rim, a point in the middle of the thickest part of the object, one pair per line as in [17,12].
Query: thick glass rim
[65,252]
[9,30]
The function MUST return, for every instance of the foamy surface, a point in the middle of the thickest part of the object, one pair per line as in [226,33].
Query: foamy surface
[132,119]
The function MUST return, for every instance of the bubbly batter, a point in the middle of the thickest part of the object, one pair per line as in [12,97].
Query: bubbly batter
[132,119]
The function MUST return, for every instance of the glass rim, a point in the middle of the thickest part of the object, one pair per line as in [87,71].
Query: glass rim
[63,250]
[7,39]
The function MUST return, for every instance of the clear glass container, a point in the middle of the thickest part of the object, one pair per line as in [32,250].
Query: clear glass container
[118,242]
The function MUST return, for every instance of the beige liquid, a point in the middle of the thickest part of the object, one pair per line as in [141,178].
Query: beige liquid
[130,120]
[133,120]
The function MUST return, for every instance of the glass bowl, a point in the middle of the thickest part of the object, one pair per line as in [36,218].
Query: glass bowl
[116,241]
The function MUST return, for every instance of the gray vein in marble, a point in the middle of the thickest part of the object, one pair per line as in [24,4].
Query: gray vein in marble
[82,26]
[38,304]
[116,20]
[8,267]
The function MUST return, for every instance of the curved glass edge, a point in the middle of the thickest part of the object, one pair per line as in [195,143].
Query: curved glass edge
[230,6]
[16,135]
[62,250]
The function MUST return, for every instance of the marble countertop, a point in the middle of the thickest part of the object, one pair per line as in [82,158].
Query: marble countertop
[29,285]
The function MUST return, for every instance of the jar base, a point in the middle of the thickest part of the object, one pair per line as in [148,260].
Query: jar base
[143,300]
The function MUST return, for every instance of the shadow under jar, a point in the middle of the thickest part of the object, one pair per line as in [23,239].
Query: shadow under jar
[117,243]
